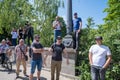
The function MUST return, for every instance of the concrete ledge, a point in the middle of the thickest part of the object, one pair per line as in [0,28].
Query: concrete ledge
[69,50]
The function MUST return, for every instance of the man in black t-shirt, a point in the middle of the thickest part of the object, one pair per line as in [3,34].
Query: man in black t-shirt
[57,49]
[36,56]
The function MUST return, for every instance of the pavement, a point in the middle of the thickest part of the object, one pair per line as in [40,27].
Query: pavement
[45,74]
[67,72]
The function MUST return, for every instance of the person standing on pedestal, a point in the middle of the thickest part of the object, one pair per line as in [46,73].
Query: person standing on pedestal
[77,26]
[57,28]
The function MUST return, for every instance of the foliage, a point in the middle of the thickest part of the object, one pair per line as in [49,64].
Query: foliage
[46,15]
[110,32]
[14,13]
[90,23]
[41,13]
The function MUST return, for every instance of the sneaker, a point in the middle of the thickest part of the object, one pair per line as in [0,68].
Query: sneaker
[17,76]
[3,65]
[26,75]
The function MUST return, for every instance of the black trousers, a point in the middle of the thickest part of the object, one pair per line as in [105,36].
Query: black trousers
[2,55]
[30,37]
[76,38]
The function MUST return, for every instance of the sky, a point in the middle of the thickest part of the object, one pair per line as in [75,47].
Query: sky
[85,9]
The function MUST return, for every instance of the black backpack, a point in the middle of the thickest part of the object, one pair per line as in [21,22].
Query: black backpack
[30,52]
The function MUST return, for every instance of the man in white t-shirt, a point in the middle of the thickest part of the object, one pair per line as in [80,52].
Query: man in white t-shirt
[98,60]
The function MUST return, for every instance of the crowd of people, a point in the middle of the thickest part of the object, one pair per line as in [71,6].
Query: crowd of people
[26,32]
[97,52]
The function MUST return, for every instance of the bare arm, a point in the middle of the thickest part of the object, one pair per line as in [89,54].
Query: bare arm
[37,50]
[109,58]
[67,59]
[46,55]
[54,25]
[16,49]
[80,26]
[50,52]
[90,58]
[26,50]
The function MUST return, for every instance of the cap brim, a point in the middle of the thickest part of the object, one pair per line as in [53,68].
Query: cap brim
[98,39]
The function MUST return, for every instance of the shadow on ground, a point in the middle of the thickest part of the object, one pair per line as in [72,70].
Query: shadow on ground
[26,78]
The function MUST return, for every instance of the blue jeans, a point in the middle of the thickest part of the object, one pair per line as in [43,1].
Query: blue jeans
[35,63]
[76,40]
[14,42]
[97,73]
[56,33]
[2,55]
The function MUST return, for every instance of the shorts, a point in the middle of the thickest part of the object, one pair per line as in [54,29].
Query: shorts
[35,63]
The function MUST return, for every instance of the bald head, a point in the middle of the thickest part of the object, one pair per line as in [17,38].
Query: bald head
[21,41]
[3,41]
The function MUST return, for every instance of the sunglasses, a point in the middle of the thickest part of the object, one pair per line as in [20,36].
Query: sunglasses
[38,37]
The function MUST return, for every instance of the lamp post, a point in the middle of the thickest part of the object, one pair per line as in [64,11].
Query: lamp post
[69,16]
[67,40]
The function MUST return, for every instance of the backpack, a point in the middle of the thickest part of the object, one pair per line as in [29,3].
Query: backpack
[30,52]
[54,45]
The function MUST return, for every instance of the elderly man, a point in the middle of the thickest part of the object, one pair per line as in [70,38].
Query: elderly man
[20,50]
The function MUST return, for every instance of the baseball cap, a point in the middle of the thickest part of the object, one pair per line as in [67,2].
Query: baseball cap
[98,38]
[75,13]
[59,37]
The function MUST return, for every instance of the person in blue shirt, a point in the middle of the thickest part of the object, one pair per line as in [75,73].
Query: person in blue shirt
[77,26]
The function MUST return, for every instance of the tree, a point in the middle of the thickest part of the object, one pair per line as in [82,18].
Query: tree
[90,23]
[112,36]
[13,13]
[41,13]
[110,31]
[113,11]
[46,10]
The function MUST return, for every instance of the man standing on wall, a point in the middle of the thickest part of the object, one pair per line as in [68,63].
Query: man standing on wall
[77,26]
[57,28]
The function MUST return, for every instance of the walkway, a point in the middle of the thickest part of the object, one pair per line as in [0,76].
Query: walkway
[67,71]
[6,75]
